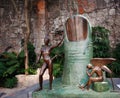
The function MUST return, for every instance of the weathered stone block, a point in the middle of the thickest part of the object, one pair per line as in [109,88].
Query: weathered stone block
[101,86]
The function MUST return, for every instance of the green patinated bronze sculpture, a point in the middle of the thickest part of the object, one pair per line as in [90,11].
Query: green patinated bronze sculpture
[99,65]
[78,54]
[78,49]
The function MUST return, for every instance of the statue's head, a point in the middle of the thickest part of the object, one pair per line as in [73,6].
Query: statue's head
[89,66]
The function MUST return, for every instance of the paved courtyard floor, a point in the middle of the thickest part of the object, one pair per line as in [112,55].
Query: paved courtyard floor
[26,85]
[26,92]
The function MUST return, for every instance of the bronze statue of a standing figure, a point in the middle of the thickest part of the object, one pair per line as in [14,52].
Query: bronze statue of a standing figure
[45,53]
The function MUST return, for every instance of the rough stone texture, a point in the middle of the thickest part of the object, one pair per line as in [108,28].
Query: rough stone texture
[100,12]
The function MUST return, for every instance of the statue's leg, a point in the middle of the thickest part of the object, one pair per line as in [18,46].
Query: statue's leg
[50,69]
[88,84]
[94,79]
[91,80]
[43,68]
[83,86]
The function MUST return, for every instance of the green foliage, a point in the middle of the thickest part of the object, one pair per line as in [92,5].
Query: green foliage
[32,59]
[21,59]
[8,68]
[31,54]
[10,82]
[116,52]
[115,66]
[58,61]
[57,70]
[31,71]
[8,64]
[10,71]
[2,69]
[100,42]
[40,63]
[101,48]
[12,64]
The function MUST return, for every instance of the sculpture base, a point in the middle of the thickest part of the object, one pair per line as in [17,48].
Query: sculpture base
[101,86]
[63,91]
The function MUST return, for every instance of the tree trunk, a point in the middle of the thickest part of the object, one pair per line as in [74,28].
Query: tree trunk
[26,37]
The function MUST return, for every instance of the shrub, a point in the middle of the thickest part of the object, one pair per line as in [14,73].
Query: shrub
[12,64]
[115,66]
[32,58]
[101,47]
[8,68]
[10,82]
[8,64]
[57,70]
[58,61]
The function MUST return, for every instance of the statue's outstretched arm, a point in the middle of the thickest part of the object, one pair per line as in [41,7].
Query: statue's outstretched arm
[54,46]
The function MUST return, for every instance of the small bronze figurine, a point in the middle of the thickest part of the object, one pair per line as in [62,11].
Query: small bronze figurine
[99,65]
[45,53]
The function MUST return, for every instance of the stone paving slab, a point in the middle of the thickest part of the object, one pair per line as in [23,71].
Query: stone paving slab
[25,93]
[25,84]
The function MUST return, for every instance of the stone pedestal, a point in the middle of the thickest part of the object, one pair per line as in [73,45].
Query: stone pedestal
[101,86]
[65,91]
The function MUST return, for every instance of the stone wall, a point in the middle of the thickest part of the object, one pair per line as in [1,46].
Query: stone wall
[10,31]
[108,15]
[104,13]
[13,26]
[100,13]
